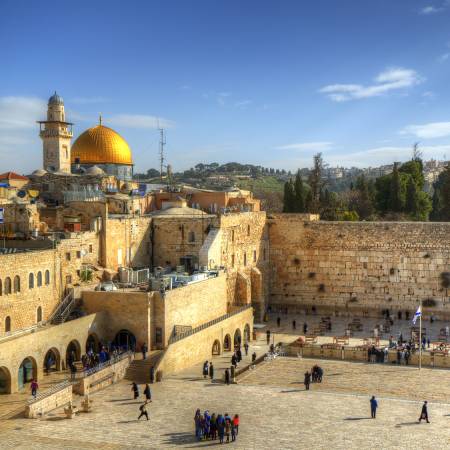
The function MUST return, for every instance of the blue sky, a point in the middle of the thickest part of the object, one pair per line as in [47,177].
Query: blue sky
[255,81]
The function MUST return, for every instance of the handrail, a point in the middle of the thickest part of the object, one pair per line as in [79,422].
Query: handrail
[32,329]
[53,390]
[103,365]
[180,336]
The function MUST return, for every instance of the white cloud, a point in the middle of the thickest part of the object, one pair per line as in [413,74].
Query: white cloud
[430,9]
[391,79]
[21,112]
[444,57]
[428,130]
[242,104]
[307,146]
[138,121]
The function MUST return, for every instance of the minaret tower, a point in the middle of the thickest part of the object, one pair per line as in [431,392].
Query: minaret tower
[56,135]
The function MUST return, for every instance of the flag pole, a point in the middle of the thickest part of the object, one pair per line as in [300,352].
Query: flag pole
[420,340]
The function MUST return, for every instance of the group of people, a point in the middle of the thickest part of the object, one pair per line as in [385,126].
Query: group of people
[374,407]
[208,370]
[212,426]
[148,398]
[315,375]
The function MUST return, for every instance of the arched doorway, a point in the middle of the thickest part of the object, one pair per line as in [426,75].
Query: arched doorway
[247,333]
[227,343]
[27,372]
[52,361]
[125,340]
[5,381]
[216,348]
[92,343]
[237,338]
[73,352]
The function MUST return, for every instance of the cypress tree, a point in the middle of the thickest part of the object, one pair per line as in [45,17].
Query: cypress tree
[299,194]
[395,199]
[412,198]
[289,197]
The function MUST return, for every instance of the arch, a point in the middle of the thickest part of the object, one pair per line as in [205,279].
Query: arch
[7,285]
[73,352]
[8,324]
[216,347]
[237,340]
[92,343]
[39,279]
[31,281]
[47,277]
[52,360]
[27,372]
[247,333]
[125,339]
[5,381]
[16,284]
[39,314]
[227,343]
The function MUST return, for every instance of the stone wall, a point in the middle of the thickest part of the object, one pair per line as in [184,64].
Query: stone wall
[360,267]
[44,405]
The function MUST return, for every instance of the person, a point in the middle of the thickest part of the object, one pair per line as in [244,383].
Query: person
[294,324]
[305,328]
[236,423]
[143,410]
[227,376]
[147,392]
[144,350]
[221,427]
[407,356]
[205,369]
[373,407]
[198,433]
[239,354]
[213,426]
[307,380]
[73,371]
[253,357]
[211,371]
[246,348]
[278,322]
[227,426]
[135,389]
[268,336]
[424,412]
[206,424]
[152,374]
[34,388]
[234,361]
[233,431]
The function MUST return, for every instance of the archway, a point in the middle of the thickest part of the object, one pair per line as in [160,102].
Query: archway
[125,340]
[5,381]
[247,333]
[237,338]
[73,352]
[227,343]
[27,372]
[92,343]
[52,361]
[216,348]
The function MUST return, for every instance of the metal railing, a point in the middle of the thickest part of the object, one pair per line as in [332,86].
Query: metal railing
[13,334]
[104,365]
[180,336]
[53,390]
[63,310]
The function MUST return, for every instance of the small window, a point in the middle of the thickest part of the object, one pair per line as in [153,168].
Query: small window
[248,230]
[232,260]
[245,259]
[39,279]
[68,256]
[47,277]
[264,254]
[78,254]
[68,279]
[191,236]
[232,235]
[7,286]
[182,232]
[7,324]
[31,281]
[254,255]
[1,288]
[39,314]
[16,284]
[90,248]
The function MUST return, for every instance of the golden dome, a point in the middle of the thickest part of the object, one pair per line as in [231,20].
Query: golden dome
[101,145]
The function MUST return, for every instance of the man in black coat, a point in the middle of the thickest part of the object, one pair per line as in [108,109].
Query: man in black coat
[424,412]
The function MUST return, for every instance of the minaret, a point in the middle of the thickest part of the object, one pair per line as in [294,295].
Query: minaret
[56,135]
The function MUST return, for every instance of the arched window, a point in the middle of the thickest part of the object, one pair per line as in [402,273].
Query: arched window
[47,277]
[1,288]
[7,285]
[248,230]
[7,324]
[39,279]
[16,284]
[191,237]
[39,314]
[31,280]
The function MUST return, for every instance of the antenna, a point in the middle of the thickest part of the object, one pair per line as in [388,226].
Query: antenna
[162,143]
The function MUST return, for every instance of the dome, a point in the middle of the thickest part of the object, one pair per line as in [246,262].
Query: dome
[55,99]
[101,145]
[39,173]
[95,170]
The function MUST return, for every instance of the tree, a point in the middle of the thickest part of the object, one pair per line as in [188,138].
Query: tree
[396,199]
[412,198]
[289,197]
[441,197]
[316,184]
[300,194]
[364,202]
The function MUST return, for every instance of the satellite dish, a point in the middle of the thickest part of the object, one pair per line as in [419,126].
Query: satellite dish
[33,193]
[21,194]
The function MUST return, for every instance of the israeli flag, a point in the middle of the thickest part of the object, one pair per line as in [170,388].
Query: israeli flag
[417,314]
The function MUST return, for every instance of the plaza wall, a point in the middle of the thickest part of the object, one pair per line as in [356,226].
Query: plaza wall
[359,267]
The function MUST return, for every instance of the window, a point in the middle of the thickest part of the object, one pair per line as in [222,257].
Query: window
[7,286]
[78,254]
[248,230]
[264,254]
[191,237]
[47,277]
[254,255]
[182,232]
[68,256]
[158,335]
[1,288]
[68,279]
[31,281]
[16,284]
[232,235]
[39,314]
[232,260]
[7,324]
[90,248]
[66,152]
[245,259]
[79,273]
[39,279]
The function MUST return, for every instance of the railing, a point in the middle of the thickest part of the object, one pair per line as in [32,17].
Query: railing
[105,364]
[63,310]
[32,329]
[53,390]
[178,337]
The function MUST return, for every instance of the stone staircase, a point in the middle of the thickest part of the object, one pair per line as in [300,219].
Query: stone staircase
[139,369]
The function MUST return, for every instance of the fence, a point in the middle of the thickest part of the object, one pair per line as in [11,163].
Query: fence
[47,393]
[103,365]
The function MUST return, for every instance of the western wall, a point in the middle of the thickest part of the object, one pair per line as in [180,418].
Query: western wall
[358,267]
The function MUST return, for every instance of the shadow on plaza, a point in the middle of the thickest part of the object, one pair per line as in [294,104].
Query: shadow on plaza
[180,438]
[405,424]
[358,418]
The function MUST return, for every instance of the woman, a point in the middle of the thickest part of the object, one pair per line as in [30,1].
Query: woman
[198,433]
[236,423]
[227,429]
[206,424]
[135,389]
[221,427]
[213,426]
[147,392]
[205,369]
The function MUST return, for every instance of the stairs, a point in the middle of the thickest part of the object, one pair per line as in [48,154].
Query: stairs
[64,309]
[139,369]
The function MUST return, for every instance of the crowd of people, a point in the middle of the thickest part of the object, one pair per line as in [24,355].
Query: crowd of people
[211,426]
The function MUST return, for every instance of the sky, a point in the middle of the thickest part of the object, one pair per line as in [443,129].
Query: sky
[261,82]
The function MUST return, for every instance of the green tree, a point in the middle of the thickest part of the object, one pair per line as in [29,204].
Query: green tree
[289,197]
[412,197]
[396,199]
[316,184]
[441,197]
[364,205]
[300,194]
